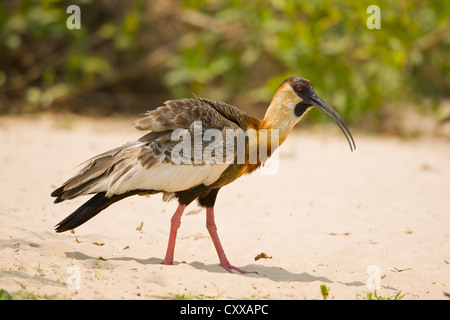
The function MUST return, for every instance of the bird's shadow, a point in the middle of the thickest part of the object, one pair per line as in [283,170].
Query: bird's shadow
[276,274]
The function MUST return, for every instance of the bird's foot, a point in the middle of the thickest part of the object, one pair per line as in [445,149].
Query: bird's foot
[227,266]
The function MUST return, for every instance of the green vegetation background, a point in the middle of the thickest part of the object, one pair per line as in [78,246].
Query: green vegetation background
[130,56]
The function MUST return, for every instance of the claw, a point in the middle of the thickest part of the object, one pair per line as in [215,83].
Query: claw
[229,267]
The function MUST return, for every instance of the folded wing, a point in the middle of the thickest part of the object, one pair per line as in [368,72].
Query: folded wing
[148,164]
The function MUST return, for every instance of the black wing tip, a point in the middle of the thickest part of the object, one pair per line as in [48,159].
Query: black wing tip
[58,193]
[58,200]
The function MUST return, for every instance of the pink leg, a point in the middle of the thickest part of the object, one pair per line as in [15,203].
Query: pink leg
[212,229]
[175,224]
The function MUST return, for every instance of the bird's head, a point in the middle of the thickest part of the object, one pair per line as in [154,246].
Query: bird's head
[293,99]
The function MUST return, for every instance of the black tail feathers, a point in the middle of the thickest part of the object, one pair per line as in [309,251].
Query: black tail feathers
[90,209]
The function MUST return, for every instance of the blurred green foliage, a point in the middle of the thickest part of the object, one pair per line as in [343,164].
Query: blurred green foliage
[130,56]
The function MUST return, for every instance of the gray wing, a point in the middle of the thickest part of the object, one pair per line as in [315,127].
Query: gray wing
[176,114]
[173,128]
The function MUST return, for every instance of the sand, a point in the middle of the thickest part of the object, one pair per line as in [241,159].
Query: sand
[378,217]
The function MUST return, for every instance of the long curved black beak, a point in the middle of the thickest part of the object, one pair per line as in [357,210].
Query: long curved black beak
[318,102]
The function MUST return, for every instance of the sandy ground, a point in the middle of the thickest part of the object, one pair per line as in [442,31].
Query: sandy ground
[325,217]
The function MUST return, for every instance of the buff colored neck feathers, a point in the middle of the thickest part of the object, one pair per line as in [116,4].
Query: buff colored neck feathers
[280,114]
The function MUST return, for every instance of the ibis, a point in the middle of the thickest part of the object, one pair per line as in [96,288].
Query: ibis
[172,159]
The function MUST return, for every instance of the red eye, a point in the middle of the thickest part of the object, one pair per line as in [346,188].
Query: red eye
[299,88]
